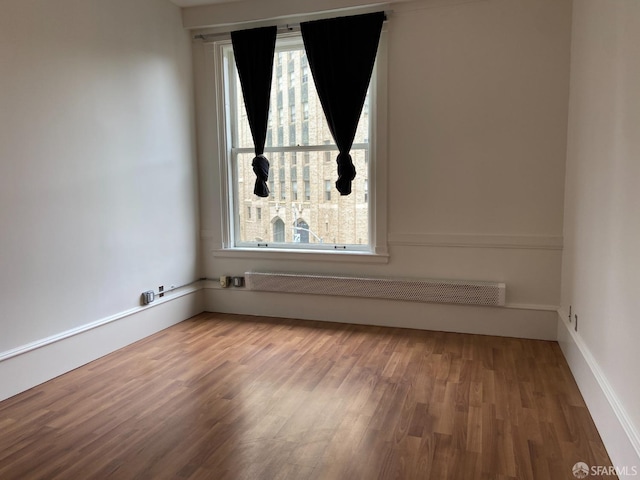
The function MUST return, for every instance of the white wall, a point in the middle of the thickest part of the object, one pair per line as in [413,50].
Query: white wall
[98,188]
[478,98]
[601,264]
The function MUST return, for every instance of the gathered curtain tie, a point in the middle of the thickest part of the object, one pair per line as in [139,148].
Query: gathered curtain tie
[260,166]
[346,173]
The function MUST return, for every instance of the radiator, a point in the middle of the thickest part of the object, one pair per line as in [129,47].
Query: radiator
[437,291]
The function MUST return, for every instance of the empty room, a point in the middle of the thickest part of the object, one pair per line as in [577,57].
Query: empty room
[292,239]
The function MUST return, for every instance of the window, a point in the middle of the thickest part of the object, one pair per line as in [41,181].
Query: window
[278,230]
[272,182]
[327,153]
[249,212]
[283,190]
[301,231]
[327,190]
[292,134]
[293,217]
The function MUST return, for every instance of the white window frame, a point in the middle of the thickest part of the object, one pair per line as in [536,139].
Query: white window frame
[377,249]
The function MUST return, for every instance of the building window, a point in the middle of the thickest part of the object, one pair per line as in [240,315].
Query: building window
[301,231]
[278,230]
[283,191]
[249,212]
[304,117]
[272,182]
[327,190]
[327,153]
[292,134]
[307,190]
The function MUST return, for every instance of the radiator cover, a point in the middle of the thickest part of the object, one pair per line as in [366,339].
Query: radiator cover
[415,290]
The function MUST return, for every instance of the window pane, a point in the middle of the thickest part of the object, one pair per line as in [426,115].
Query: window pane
[330,217]
[300,95]
[310,212]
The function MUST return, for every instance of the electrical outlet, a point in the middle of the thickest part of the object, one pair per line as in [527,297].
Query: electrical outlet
[148,297]
[238,281]
[161,290]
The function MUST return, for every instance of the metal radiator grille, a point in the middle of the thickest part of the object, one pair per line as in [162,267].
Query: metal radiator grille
[437,291]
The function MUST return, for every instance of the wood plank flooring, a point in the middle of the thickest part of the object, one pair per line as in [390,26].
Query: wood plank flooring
[236,397]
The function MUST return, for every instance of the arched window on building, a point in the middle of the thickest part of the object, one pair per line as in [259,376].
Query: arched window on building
[301,231]
[278,230]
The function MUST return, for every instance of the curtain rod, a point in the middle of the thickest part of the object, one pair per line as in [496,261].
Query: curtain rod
[282,27]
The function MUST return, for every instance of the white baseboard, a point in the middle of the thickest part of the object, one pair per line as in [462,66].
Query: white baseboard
[30,365]
[620,437]
[522,322]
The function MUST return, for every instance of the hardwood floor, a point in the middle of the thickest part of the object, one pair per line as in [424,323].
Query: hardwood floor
[236,397]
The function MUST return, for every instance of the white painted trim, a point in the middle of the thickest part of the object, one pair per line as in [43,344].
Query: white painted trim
[37,362]
[539,242]
[305,255]
[619,434]
[532,306]
[98,323]
[506,322]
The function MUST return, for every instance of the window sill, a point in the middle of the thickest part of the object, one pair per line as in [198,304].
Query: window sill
[305,255]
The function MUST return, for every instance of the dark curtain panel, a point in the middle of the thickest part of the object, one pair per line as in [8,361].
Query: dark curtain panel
[253,50]
[341,53]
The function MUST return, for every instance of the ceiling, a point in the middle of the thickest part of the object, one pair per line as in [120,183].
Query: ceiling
[195,3]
